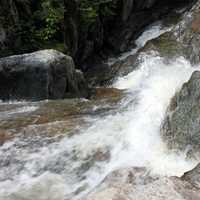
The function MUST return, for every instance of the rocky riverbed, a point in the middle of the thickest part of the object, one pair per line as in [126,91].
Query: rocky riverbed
[134,137]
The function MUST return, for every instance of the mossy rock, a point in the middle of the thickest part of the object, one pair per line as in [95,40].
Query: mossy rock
[181,129]
[167,46]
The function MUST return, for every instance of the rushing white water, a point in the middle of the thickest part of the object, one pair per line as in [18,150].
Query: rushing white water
[67,169]
[25,109]
[132,136]
[155,82]
[151,32]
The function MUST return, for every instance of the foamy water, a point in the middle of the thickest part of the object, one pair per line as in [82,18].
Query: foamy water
[66,170]
[151,32]
[24,109]
[155,82]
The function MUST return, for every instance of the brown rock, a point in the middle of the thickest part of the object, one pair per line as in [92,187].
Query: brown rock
[4,136]
[102,93]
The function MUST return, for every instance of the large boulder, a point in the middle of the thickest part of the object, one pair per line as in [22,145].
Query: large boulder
[46,74]
[137,183]
[181,127]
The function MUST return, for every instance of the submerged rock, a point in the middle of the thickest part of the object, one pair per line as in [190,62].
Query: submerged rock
[55,117]
[181,127]
[46,74]
[137,183]
[4,136]
[111,94]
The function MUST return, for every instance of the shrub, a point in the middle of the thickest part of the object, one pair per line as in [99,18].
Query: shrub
[50,17]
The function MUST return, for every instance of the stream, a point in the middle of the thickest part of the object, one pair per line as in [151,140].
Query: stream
[39,167]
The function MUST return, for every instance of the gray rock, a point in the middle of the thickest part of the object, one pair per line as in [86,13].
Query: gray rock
[46,74]
[193,176]
[181,127]
[187,33]
[137,183]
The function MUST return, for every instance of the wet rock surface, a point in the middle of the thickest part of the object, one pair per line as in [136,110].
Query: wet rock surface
[166,45]
[56,117]
[46,74]
[182,39]
[187,33]
[193,176]
[40,139]
[98,41]
[181,127]
[4,136]
[138,183]
[37,128]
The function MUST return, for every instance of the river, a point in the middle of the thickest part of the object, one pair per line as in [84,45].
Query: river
[35,168]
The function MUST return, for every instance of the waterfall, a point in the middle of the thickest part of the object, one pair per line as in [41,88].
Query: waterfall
[129,136]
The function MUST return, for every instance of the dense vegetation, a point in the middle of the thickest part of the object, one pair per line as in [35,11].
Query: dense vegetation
[45,27]
[47,24]
[84,29]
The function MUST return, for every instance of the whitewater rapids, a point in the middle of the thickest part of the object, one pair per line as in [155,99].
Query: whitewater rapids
[131,136]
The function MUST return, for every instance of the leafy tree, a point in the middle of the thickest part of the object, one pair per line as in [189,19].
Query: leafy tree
[51,17]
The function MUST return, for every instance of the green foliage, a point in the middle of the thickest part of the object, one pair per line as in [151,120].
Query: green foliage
[51,17]
[44,28]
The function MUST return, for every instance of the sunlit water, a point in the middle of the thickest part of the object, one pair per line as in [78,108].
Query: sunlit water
[66,169]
